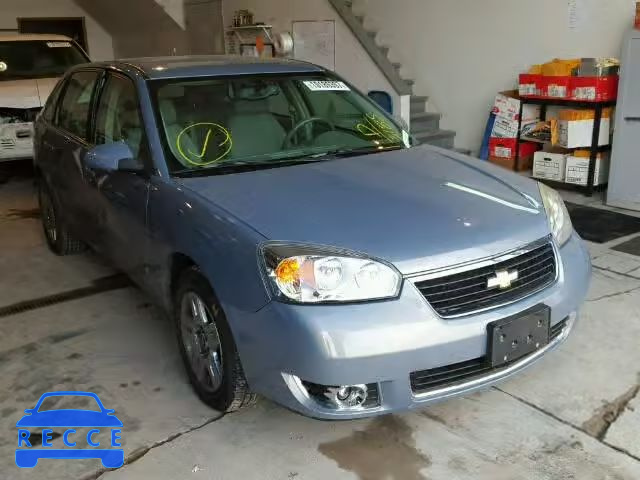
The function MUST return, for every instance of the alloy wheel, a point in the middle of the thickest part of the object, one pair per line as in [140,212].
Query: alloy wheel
[201,342]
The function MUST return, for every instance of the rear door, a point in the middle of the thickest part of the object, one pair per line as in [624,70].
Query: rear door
[65,144]
[121,196]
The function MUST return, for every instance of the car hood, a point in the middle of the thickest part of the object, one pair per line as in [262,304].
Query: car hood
[29,93]
[420,209]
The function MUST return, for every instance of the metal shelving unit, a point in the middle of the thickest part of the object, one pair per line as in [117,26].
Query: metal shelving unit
[245,36]
[595,148]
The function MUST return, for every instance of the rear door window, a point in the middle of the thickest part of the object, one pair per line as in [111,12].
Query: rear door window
[75,108]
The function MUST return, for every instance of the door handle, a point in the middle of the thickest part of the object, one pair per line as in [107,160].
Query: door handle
[632,119]
[51,147]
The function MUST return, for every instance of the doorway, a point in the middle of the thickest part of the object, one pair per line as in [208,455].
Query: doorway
[72,27]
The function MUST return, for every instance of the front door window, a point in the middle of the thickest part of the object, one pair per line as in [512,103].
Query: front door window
[118,117]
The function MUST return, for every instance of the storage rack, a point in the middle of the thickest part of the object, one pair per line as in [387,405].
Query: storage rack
[245,36]
[595,148]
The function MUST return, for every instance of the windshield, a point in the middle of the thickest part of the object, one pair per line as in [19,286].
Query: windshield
[37,58]
[266,120]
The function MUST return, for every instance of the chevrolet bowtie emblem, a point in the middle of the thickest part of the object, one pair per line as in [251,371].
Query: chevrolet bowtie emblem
[502,279]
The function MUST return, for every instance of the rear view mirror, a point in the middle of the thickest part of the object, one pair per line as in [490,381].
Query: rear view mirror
[111,157]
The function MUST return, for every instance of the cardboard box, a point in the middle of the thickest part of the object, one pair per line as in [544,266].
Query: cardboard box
[583,88]
[506,148]
[524,163]
[507,105]
[579,133]
[508,128]
[505,128]
[530,85]
[594,89]
[556,87]
[577,170]
[550,166]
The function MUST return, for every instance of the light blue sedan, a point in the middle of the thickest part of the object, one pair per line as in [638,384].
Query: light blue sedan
[307,250]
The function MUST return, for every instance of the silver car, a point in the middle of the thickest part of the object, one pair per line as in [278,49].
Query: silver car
[306,249]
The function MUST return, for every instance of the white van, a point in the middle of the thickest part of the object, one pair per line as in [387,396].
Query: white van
[30,66]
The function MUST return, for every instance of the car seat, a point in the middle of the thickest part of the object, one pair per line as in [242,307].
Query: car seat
[173,128]
[254,129]
[130,127]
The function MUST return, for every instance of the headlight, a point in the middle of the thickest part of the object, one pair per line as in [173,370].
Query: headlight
[307,274]
[557,214]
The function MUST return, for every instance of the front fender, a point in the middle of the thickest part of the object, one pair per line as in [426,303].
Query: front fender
[222,247]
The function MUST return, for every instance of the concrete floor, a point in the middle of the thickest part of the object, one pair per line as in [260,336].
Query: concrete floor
[574,415]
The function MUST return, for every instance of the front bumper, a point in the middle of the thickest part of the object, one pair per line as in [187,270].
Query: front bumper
[16,141]
[383,342]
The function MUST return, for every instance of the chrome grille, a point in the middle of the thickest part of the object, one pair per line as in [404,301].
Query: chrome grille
[7,143]
[467,292]
[426,380]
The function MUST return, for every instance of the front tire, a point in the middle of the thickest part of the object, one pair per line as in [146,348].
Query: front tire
[59,240]
[207,346]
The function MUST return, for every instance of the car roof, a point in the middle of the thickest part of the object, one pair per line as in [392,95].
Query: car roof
[22,37]
[209,65]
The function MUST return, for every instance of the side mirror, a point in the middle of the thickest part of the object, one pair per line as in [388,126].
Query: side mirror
[111,157]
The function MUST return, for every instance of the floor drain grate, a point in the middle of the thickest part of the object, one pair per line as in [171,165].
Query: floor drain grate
[100,285]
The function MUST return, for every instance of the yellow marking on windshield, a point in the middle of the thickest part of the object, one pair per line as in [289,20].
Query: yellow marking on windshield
[208,155]
[378,129]
[204,148]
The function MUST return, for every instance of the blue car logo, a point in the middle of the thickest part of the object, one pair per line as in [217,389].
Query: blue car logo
[105,429]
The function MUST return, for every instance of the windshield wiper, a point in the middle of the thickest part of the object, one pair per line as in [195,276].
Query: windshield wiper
[354,152]
[240,166]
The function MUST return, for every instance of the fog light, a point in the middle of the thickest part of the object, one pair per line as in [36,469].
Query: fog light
[348,396]
[344,397]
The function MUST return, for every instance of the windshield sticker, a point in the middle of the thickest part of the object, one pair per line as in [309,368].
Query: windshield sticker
[378,129]
[204,144]
[326,86]
[58,44]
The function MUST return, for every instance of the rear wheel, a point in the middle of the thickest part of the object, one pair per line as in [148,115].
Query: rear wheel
[207,346]
[60,241]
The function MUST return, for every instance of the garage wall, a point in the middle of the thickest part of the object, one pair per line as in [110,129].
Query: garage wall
[175,9]
[352,62]
[461,52]
[100,42]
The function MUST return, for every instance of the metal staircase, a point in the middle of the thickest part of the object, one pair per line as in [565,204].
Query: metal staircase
[425,126]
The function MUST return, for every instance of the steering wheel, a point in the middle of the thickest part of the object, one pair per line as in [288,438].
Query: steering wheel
[287,140]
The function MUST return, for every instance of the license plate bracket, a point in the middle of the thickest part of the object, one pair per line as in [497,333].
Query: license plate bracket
[512,338]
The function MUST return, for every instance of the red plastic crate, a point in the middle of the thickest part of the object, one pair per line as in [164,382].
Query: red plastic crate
[594,89]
